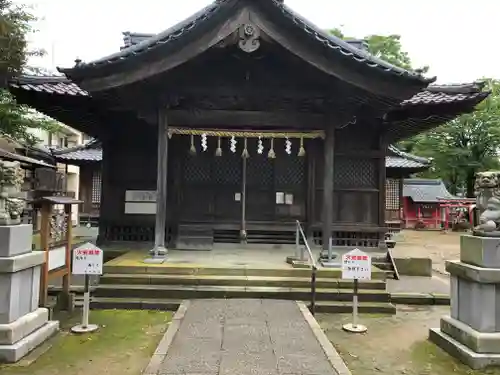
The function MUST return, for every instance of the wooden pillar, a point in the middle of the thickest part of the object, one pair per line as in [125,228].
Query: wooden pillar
[328,176]
[161,185]
[382,180]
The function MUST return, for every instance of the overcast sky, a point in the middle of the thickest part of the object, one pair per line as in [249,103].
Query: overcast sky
[458,39]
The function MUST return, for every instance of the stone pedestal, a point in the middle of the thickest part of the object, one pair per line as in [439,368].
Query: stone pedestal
[23,326]
[472,332]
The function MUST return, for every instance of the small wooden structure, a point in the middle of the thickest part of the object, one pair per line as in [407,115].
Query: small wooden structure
[427,204]
[56,242]
[399,165]
[88,157]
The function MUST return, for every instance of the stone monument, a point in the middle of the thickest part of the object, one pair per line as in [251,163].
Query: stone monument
[472,331]
[23,325]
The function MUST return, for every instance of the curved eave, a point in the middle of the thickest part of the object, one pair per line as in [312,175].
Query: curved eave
[332,53]
[64,100]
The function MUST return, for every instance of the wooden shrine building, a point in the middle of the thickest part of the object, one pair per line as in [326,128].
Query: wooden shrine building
[239,121]
[88,157]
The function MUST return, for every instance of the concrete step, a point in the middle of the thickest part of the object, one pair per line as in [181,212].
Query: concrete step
[212,291]
[234,271]
[290,282]
[99,303]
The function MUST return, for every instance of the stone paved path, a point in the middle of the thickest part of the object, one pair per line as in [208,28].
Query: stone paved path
[245,337]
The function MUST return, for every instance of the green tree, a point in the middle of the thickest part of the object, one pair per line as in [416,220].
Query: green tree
[464,146]
[16,120]
[461,147]
[386,47]
[16,23]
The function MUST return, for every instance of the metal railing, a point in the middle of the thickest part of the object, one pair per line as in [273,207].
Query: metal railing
[300,252]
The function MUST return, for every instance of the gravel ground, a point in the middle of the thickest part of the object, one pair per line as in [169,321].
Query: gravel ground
[394,345]
[438,246]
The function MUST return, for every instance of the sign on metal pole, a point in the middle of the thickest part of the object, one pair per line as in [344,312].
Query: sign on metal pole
[87,260]
[356,265]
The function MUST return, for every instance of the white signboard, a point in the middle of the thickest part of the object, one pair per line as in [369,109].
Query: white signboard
[140,196]
[87,260]
[356,265]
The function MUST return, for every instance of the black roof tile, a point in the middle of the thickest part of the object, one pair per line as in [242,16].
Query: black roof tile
[432,95]
[426,190]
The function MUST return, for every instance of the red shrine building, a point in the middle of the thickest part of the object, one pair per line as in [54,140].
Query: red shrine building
[240,121]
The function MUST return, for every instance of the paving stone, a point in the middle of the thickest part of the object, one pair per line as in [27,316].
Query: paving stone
[189,355]
[303,364]
[245,337]
[249,364]
[202,330]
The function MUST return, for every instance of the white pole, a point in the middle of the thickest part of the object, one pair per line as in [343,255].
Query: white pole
[355,305]
[85,327]
[86,303]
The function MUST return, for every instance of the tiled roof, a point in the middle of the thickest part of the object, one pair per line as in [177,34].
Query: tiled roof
[432,95]
[50,85]
[317,35]
[23,159]
[91,151]
[401,159]
[446,94]
[425,190]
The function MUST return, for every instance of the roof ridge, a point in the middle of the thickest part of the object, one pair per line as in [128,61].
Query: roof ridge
[84,146]
[407,155]
[350,48]
[327,39]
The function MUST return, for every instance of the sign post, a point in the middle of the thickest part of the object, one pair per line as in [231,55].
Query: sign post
[356,265]
[87,260]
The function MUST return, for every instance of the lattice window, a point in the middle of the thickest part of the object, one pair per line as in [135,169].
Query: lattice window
[290,170]
[260,171]
[392,198]
[227,169]
[197,168]
[96,187]
[355,173]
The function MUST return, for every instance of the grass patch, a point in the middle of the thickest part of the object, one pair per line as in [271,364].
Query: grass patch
[430,359]
[122,346]
[395,344]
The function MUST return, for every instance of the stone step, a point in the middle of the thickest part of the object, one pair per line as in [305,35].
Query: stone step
[99,303]
[206,291]
[234,271]
[290,282]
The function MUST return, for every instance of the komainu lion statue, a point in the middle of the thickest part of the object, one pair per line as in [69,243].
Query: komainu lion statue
[488,203]
[11,179]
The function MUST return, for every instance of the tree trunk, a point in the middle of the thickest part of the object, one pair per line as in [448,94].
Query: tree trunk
[470,180]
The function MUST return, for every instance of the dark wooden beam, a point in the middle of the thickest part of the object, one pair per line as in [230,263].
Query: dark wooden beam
[328,175]
[242,119]
[161,185]
[382,178]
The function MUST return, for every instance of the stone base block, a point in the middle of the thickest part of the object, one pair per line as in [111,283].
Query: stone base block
[480,251]
[473,273]
[22,327]
[475,304]
[15,240]
[472,359]
[21,262]
[19,293]
[478,342]
[13,353]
